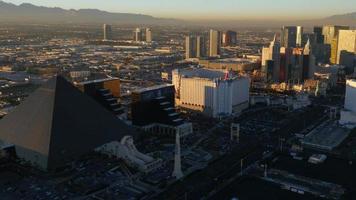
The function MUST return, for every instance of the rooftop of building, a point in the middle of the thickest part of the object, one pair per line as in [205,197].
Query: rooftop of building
[231,60]
[351,82]
[204,73]
[326,137]
[252,188]
[342,170]
[96,81]
[156,87]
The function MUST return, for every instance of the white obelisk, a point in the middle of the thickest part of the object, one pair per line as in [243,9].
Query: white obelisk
[177,172]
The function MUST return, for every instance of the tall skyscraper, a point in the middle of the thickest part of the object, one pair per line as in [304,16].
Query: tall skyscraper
[272,53]
[148,35]
[350,103]
[308,62]
[333,50]
[215,43]
[229,38]
[321,51]
[346,51]
[137,35]
[318,34]
[268,70]
[107,32]
[289,36]
[331,33]
[297,64]
[190,47]
[195,47]
[201,46]
[299,39]
[287,59]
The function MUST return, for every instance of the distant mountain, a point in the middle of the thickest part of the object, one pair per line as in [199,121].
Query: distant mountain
[348,16]
[38,14]
[344,19]
[30,13]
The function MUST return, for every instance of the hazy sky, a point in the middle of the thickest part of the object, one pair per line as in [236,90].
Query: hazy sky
[212,9]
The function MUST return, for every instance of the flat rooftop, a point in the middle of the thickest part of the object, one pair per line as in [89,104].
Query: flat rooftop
[251,188]
[333,170]
[351,83]
[231,60]
[204,73]
[96,81]
[156,87]
[326,137]
[201,73]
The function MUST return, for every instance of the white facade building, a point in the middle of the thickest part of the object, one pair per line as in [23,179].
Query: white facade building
[350,98]
[348,116]
[215,93]
[148,35]
[272,53]
[214,43]
[107,32]
[346,44]
[299,36]
[126,150]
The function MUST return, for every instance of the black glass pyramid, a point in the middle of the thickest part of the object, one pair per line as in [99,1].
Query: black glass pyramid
[59,123]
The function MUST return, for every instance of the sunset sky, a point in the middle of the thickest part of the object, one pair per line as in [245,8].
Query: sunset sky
[211,9]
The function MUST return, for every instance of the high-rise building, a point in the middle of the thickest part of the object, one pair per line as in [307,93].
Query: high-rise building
[213,92]
[201,47]
[308,37]
[190,47]
[321,51]
[308,62]
[229,38]
[289,36]
[107,31]
[299,39]
[333,50]
[331,33]
[268,70]
[287,59]
[148,35]
[105,91]
[297,64]
[348,115]
[318,34]
[346,51]
[350,103]
[195,47]
[153,109]
[137,35]
[272,53]
[215,43]
[149,106]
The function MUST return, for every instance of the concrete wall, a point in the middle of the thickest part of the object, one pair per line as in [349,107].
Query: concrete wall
[213,97]
[350,99]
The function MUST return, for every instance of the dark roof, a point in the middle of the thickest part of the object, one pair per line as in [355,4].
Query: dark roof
[61,122]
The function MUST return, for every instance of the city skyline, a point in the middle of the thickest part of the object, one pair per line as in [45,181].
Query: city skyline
[178,99]
[212,10]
